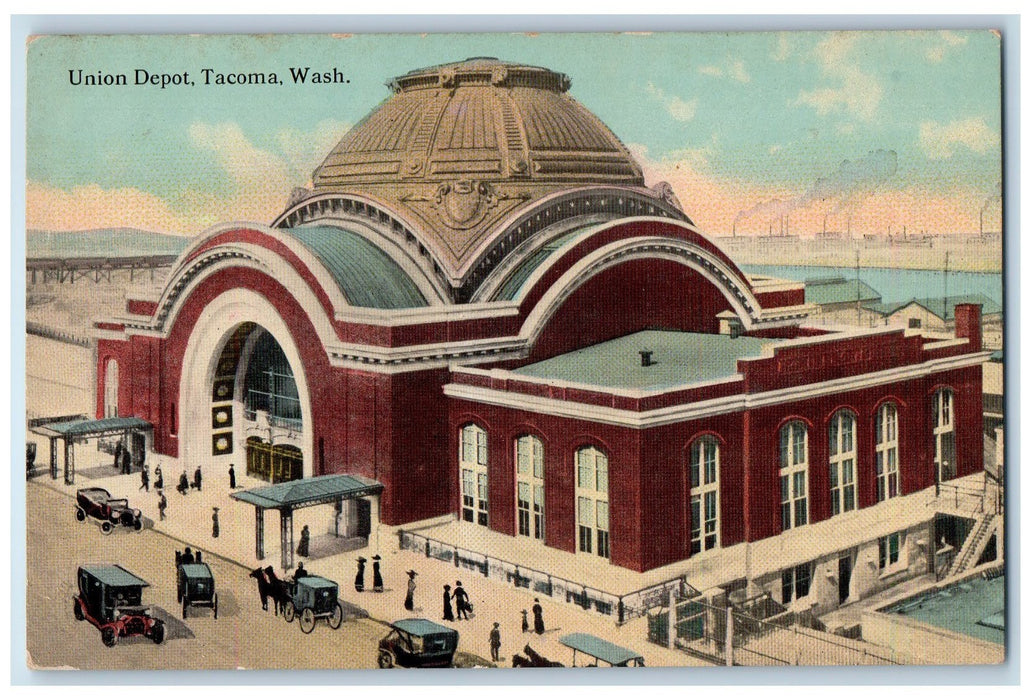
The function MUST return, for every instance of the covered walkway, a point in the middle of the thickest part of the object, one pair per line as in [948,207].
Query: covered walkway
[132,432]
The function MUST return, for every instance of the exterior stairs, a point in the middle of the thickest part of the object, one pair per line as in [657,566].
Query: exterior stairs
[974,545]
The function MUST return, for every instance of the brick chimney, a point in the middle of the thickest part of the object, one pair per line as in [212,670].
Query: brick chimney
[968,323]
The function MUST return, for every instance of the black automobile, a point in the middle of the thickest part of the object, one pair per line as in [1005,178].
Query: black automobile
[418,643]
[98,504]
[110,597]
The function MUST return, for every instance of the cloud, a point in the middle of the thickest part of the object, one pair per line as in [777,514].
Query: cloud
[853,91]
[714,71]
[939,141]
[679,109]
[949,39]
[783,49]
[735,70]
[91,206]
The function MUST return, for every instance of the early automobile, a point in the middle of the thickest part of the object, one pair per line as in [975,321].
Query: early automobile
[418,643]
[598,651]
[110,597]
[310,598]
[195,586]
[97,503]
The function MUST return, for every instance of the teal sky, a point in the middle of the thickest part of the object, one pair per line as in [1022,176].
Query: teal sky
[731,120]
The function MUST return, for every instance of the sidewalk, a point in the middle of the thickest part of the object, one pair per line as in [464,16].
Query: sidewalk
[188,519]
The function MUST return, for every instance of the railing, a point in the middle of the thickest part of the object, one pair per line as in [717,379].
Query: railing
[973,502]
[33,328]
[621,607]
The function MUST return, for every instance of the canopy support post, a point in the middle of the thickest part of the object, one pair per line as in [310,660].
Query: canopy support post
[259,532]
[286,537]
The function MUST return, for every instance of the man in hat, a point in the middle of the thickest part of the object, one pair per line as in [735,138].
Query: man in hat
[495,642]
[359,579]
[162,504]
[214,521]
[196,478]
[145,479]
[377,577]
[410,596]
[461,601]
[232,477]
[301,571]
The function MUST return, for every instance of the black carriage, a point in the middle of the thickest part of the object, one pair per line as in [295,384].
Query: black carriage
[310,598]
[195,585]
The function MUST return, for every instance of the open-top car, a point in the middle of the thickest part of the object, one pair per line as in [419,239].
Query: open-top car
[98,504]
[110,597]
[195,585]
[311,598]
[418,643]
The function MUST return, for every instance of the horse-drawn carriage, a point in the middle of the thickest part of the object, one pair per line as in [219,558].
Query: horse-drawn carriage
[312,598]
[195,584]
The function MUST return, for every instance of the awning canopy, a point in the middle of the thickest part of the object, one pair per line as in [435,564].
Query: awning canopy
[91,428]
[599,648]
[310,492]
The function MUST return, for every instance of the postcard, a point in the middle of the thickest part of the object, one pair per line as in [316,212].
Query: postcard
[371,351]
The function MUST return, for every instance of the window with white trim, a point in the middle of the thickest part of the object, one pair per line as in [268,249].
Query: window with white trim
[886,462]
[705,494]
[842,458]
[891,554]
[472,466]
[944,435]
[529,460]
[592,501]
[794,475]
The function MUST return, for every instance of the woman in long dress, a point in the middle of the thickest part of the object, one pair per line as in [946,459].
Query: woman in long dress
[410,597]
[359,579]
[377,577]
[538,616]
[448,612]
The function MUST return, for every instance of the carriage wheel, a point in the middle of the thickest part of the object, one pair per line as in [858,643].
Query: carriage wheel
[214,604]
[106,527]
[386,659]
[138,525]
[186,604]
[179,591]
[77,611]
[107,635]
[80,515]
[288,611]
[157,632]
[307,621]
[337,617]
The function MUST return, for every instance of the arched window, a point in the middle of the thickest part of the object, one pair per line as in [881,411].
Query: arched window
[794,466]
[944,435]
[887,458]
[111,389]
[841,448]
[529,460]
[705,494]
[592,500]
[472,466]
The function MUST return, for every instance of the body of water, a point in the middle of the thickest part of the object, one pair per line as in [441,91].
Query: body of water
[896,285]
[975,607]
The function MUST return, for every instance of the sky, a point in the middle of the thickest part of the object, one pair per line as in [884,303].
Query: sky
[755,131]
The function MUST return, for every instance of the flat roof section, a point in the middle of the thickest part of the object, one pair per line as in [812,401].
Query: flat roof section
[677,358]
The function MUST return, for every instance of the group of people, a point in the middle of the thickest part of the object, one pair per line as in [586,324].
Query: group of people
[462,605]
[377,576]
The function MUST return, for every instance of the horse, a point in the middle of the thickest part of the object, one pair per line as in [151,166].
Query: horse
[263,586]
[277,589]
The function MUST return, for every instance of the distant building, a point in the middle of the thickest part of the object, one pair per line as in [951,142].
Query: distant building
[938,315]
[841,300]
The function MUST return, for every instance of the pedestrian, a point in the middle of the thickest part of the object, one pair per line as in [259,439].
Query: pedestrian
[197,557]
[232,477]
[302,546]
[301,572]
[495,642]
[526,623]
[359,579]
[145,479]
[377,577]
[214,522]
[126,462]
[119,449]
[448,612]
[159,479]
[462,606]
[196,478]
[538,616]
[184,484]
[410,596]
[162,504]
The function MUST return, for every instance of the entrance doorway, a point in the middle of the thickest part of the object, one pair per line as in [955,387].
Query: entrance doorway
[275,463]
[844,577]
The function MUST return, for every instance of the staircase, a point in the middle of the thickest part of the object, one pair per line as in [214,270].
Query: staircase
[974,545]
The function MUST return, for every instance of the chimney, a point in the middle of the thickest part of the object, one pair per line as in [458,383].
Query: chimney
[646,358]
[968,323]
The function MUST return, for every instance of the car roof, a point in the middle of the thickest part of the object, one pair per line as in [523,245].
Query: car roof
[316,582]
[420,627]
[197,570]
[94,489]
[113,575]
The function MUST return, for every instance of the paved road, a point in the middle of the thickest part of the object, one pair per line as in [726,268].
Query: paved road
[244,636]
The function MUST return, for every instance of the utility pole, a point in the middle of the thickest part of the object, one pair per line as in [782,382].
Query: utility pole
[859,319]
[945,285]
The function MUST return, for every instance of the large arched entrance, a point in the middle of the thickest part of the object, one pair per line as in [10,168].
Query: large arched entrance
[244,395]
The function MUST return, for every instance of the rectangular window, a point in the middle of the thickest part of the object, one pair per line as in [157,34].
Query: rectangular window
[795,582]
[785,504]
[696,524]
[889,552]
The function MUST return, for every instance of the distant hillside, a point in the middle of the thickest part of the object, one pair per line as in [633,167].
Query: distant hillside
[113,241]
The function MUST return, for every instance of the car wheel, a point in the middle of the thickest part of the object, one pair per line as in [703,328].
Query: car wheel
[307,621]
[106,527]
[77,611]
[337,617]
[386,659]
[107,635]
[288,611]
[138,525]
[214,604]
[157,632]
[80,515]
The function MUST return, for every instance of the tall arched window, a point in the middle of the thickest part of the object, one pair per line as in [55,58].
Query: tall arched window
[111,389]
[705,494]
[472,465]
[592,500]
[794,475]
[944,435]
[529,460]
[841,449]
[887,458]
